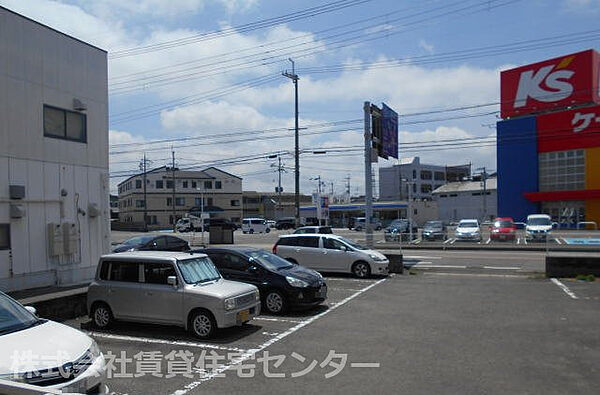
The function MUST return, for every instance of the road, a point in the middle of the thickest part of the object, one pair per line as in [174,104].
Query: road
[420,334]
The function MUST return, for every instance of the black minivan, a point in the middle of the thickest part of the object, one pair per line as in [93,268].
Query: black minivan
[283,285]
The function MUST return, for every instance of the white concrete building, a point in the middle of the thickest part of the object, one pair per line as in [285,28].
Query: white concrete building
[54,215]
[222,193]
[460,200]
[421,178]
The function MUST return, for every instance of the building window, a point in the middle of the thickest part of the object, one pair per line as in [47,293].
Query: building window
[209,201]
[159,184]
[218,185]
[443,196]
[425,188]
[194,184]
[414,174]
[169,202]
[439,176]
[235,203]
[414,188]
[207,184]
[169,184]
[197,202]
[185,184]
[4,236]
[138,184]
[139,203]
[64,124]
[152,220]
[180,201]
[563,170]
[415,211]
[425,175]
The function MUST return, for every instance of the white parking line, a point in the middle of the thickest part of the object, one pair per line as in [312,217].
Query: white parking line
[421,257]
[440,266]
[447,241]
[488,241]
[250,353]
[417,241]
[277,319]
[502,267]
[344,289]
[564,288]
[525,240]
[453,241]
[518,240]
[150,340]
[557,240]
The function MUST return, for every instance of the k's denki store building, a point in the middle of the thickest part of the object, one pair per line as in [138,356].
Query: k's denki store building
[548,143]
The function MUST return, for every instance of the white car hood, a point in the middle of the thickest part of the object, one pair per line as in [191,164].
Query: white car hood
[467,230]
[539,227]
[223,288]
[373,252]
[51,345]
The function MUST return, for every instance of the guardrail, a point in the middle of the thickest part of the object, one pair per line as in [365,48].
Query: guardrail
[14,388]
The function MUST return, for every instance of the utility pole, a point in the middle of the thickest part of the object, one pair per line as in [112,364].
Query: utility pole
[143,168]
[294,77]
[484,181]
[348,193]
[173,181]
[332,191]
[279,170]
[368,179]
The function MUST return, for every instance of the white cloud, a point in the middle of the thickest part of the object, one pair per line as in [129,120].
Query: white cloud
[426,46]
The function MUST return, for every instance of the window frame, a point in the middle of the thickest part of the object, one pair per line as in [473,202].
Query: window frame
[7,245]
[83,139]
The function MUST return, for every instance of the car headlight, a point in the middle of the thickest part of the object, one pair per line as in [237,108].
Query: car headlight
[230,304]
[94,351]
[296,282]
[495,230]
[376,257]
[256,295]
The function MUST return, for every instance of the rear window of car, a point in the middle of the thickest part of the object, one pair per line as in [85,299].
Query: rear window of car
[104,270]
[326,230]
[124,271]
[308,241]
[288,241]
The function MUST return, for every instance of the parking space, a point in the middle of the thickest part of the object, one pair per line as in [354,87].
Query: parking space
[157,352]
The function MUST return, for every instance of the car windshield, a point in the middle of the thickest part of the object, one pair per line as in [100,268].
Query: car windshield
[198,270]
[467,224]
[13,317]
[269,261]
[433,225]
[503,224]
[539,221]
[353,244]
[138,240]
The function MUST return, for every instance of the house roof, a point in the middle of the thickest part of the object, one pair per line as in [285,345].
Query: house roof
[466,186]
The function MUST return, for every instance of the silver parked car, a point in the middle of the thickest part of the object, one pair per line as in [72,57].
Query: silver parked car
[172,288]
[331,253]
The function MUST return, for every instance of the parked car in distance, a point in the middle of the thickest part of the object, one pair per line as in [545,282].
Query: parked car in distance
[285,223]
[398,227]
[360,224]
[468,229]
[183,289]
[314,229]
[331,253]
[153,243]
[282,284]
[503,228]
[255,225]
[60,357]
[271,223]
[434,230]
[538,227]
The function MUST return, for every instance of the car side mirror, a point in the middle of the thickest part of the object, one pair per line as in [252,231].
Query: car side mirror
[31,309]
[172,280]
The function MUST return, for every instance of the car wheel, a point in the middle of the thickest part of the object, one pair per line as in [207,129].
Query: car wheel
[251,231]
[275,302]
[101,316]
[361,269]
[202,324]
[267,230]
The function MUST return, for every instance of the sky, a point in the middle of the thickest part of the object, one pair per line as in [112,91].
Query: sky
[206,75]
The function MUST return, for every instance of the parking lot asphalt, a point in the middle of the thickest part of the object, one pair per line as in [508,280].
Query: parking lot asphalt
[432,332]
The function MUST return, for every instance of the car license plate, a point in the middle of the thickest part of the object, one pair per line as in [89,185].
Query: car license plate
[243,315]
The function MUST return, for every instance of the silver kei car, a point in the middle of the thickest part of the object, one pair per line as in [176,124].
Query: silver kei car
[171,288]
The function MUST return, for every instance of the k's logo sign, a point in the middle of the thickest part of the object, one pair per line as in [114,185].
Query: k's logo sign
[548,84]
[555,84]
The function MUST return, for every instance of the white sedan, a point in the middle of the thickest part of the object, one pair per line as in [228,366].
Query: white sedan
[44,353]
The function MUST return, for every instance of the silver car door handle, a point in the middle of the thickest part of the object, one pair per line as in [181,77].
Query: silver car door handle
[297,249]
